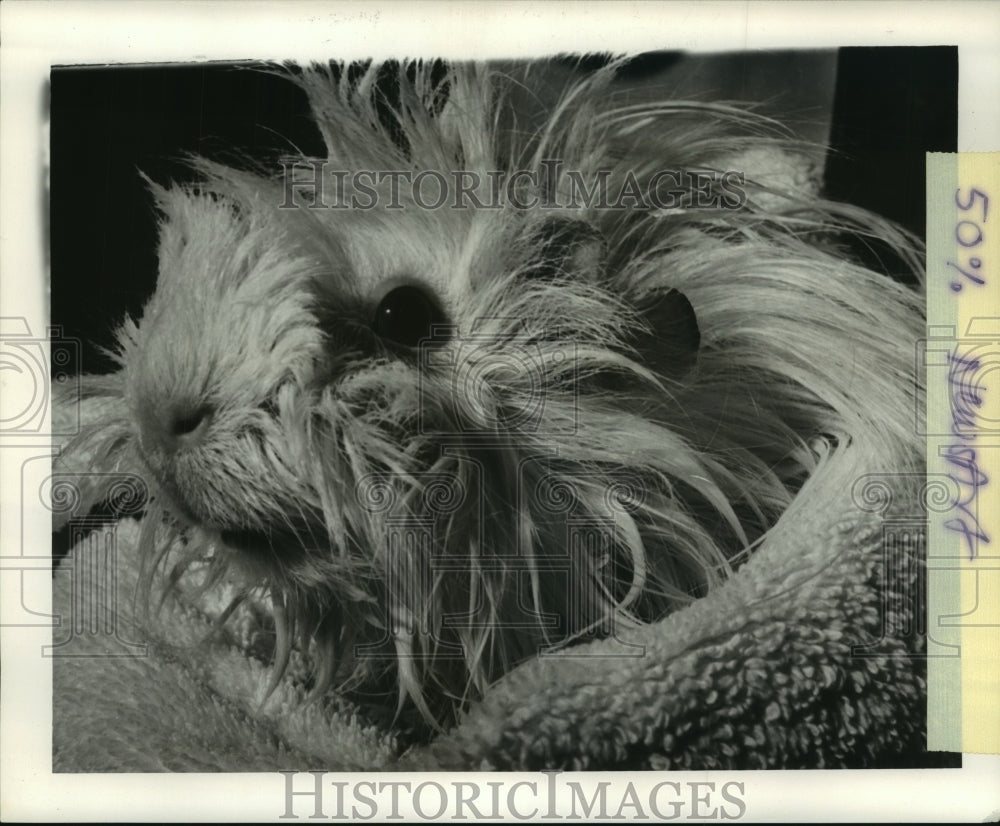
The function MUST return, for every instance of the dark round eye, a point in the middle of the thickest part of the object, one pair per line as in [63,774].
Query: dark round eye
[407,315]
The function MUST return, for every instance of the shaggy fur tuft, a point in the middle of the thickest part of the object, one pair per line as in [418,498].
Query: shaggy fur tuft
[624,402]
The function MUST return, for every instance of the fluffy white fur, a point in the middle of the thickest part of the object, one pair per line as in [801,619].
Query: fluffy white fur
[261,317]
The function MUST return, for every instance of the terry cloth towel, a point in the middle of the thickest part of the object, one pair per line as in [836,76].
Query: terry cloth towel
[802,659]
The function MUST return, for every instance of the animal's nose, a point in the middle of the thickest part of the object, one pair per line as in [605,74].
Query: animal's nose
[188,423]
[175,426]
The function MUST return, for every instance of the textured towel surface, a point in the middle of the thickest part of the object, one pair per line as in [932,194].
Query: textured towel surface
[758,674]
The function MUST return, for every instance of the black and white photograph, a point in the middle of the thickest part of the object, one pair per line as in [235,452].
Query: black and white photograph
[421,414]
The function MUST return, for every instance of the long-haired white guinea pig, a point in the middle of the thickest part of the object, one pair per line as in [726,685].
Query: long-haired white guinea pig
[524,382]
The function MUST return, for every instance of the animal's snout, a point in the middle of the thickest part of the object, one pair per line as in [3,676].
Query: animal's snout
[187,423]
[175,426]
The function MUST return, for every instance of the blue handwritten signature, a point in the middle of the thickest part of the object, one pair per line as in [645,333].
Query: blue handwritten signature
[966,398]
